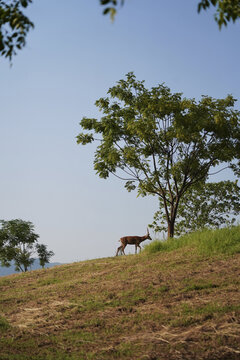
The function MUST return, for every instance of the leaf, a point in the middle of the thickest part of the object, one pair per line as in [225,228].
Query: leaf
[106,11]
[105,2]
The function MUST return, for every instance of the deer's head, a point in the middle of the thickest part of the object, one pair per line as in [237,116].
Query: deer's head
[148,235]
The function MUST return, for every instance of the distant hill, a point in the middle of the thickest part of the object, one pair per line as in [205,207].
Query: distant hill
[36,265]
[177,300]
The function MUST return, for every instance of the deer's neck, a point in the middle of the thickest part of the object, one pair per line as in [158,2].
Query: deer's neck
[144,237]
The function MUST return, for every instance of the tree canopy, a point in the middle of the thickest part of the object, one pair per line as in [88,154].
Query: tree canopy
[43,255]
[18,243]
[207,205]
[160,142]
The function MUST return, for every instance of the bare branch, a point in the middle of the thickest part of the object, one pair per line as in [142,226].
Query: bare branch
[121,178]
[226,167]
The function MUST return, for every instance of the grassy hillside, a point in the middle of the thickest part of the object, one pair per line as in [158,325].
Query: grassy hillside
[178,301]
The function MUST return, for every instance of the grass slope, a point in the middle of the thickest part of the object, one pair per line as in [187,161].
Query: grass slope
[177,303]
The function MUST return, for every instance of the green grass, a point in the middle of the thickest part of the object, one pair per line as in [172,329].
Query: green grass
[46,282]
[4,325]
[199,285]
[187,315]
[209,309]
[205,242]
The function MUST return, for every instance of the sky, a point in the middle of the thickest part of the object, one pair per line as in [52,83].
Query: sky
[72,57]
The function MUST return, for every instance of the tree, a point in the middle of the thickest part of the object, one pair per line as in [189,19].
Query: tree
[226,10]
[207,205]
[159,142]
[18,243]
[43,255]
[14,26]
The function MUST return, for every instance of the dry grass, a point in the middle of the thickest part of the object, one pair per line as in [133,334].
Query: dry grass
[174,305]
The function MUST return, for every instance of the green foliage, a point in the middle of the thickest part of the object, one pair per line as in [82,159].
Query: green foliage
[43,255]
[236,166]
[208,205]
[14,26]
[226,10]
[159,142]
[205,242]
[18,242]
[110,7]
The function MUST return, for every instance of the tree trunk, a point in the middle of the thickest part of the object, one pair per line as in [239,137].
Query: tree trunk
[171,229]
[171,215]
[172,218]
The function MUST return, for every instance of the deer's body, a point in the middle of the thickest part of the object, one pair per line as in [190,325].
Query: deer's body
[132,240]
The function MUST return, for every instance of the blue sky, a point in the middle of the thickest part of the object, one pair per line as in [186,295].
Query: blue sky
[72,57]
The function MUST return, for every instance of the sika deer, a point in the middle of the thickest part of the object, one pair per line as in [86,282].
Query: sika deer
[132,240]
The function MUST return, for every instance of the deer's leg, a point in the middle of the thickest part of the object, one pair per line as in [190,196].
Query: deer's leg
[139,247]
[118,249]
[135,249]
[123,247]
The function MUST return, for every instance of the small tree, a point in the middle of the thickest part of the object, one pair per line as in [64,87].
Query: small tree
[208,205]
[43,255]
[18,243]
[160,143]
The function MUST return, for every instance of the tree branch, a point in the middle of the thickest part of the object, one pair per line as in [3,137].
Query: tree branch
[226,167]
